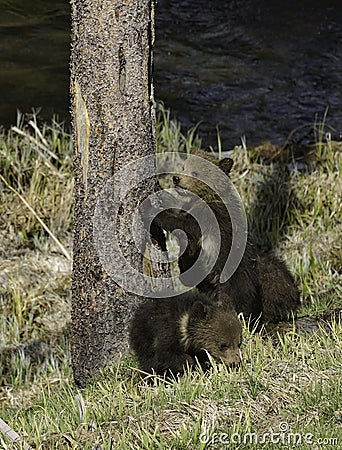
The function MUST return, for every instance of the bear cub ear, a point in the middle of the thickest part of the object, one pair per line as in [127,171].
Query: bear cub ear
[226,165]
[199,311]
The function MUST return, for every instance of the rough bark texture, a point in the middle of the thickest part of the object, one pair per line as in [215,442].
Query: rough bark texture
[113,117]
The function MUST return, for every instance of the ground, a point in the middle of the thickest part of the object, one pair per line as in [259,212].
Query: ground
[288,384]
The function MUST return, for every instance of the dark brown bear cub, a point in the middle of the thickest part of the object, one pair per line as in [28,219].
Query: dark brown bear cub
[169,334]
[262,288]
[279,292]
[243,287]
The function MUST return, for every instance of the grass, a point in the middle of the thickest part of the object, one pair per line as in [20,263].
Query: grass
[289,385]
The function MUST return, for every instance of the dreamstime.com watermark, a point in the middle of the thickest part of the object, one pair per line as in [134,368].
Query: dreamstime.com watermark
[282,437]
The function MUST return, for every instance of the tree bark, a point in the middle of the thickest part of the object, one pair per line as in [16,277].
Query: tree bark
[113,118]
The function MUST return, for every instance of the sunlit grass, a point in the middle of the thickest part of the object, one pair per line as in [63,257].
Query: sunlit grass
[293,378]
[296,383]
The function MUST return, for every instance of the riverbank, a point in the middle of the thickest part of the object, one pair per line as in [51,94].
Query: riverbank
[288,385]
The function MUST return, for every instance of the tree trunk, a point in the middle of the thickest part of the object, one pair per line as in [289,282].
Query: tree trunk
[113,118]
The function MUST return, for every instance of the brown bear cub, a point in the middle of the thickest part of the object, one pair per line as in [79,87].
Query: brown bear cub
[170,334]
[243,287]
[279,292]
[261,288]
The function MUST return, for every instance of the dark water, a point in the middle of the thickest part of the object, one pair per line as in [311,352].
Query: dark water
[34,58]
[257,68]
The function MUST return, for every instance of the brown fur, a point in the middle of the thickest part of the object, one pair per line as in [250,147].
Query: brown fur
[261,287]
[169,334]
[280,295]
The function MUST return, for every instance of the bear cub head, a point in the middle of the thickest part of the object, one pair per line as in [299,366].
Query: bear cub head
[198,170]
[216,330]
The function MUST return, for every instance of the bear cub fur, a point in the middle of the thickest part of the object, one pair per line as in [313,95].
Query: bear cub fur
[170,334]
[262,288]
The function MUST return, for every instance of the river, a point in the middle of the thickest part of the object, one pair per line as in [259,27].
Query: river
[256,68]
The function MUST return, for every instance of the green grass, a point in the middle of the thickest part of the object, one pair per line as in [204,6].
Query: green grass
[289,384]
[296,383]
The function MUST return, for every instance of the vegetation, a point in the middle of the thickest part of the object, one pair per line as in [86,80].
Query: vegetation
[289,383]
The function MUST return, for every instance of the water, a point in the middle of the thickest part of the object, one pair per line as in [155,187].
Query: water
[256,68]
[34,58]
[259,68]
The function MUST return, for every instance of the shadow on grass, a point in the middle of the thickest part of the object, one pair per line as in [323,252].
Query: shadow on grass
[272,213]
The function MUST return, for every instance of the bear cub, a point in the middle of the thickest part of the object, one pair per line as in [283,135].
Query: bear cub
[170,334]
[261,288]
[206,248]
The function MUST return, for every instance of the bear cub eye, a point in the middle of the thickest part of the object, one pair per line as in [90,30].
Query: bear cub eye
[194,174]
[223,347]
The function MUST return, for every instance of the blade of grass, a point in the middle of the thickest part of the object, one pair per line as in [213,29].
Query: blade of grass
[32,139]
[60,245]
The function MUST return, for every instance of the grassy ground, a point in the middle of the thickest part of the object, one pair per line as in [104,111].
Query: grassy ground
[289,384]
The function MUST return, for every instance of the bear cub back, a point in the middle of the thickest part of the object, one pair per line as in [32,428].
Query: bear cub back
[170,334]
